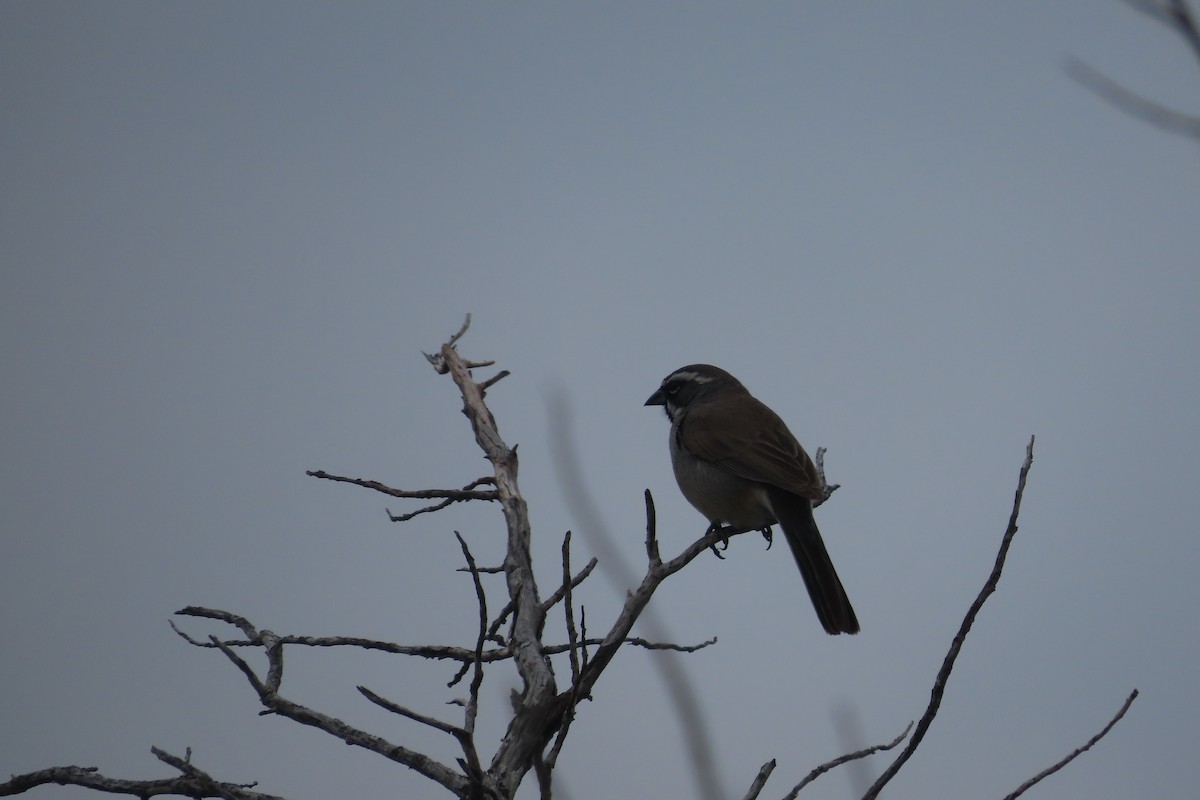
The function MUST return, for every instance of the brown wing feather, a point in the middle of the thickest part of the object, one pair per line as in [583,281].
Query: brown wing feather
[759,447]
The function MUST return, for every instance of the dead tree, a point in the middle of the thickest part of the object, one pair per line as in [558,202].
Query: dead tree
[555,677]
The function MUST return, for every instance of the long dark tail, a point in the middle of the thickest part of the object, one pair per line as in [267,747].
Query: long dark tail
[824,587]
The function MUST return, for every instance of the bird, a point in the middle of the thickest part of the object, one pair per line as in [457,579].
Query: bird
[738,464]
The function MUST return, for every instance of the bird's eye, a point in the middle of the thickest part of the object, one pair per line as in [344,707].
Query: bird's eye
[673,389]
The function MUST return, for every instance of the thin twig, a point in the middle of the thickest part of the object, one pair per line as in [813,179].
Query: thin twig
[437,359]
[492,381]
[827,489]
[548,603]
[466,324]
[1077,751]
[433,651]
[1176,15]
[1131,102]
[475,769]
[561,591]
[657,571]
[837,762]
[448,496]
[652,552]
[569,608]
[760,780]
[415,716]
[939,683]
[551,759]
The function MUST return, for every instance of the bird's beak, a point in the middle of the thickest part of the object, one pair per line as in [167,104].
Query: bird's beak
[657,399]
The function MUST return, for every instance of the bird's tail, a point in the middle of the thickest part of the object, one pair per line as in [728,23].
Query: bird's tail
[824,587]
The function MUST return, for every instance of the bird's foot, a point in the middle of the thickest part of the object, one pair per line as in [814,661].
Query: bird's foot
[768,535]
[724,543]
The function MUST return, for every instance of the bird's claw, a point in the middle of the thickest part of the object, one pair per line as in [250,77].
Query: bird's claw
[768,535]
[724,541]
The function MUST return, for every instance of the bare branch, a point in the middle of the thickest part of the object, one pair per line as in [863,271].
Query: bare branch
[484,570]
[1156,10]
[1133,103]
[561,591]
[228,790]
[547,604]
[637,641]
[760,780]
[492,381]
[569,608]
[434,652]
[551,759]
[1184,22]
[1176,15]
[837,762]
[396,708]
[448,496]
[462,655]
[275,703]
[193,783]
[1077,751]
[466,324]
[652,552]
[939,683]
[467,740]
[436,359]
[251,675]
[657,571]
[827,489]
[221,616]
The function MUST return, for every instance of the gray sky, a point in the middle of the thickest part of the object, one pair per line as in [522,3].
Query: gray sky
[229,230]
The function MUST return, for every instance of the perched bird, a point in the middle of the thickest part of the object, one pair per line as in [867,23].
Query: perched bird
[738,464]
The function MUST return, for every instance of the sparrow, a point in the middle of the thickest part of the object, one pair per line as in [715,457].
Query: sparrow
[736,461]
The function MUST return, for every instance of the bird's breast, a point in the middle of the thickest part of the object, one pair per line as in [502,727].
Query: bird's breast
[718,494]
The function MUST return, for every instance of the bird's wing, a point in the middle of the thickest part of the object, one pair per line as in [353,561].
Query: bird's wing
[754,444]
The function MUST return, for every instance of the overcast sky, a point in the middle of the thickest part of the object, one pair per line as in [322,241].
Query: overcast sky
[228,231]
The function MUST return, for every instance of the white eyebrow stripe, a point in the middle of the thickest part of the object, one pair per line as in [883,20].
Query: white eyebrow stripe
[692,376]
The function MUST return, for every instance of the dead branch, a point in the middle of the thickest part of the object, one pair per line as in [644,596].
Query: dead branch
[549,761]
[939,683]
[760,780]
[433,652]
[194,782]
[549,602]
[471,756]
[408,713]
[657,571]
[1077,751]
[274,703]
[848,757]
[1177,16]
[827,489]
[1132,103]
[448,496]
